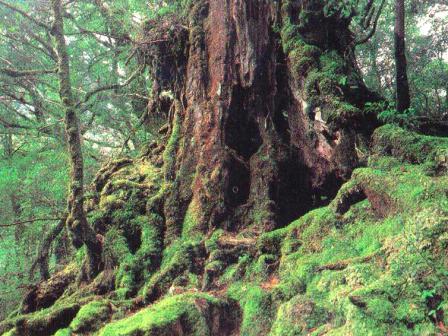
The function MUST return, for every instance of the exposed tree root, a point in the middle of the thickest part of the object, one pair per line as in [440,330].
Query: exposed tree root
[46,293]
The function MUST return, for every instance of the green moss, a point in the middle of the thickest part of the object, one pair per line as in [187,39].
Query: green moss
[211,244]
[411,312]
[409,146]
[381,309]
[115,247]
[386,259]
[111,202]
[261,213]
[303,57]
[64,332]
[271,242]
[257,308]
[324,75]
[46,322]
[91,316]
[151,241]
[298,316]
[261,266]
[12,332]
[164,316]
[191,224]
[177,259]
[169,154]
[236,272]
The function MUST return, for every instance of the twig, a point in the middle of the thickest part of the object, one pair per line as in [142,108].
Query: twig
[31,221]
[111,86]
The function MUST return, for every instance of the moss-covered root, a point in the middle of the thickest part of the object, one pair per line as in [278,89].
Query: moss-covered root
[257,308]
[91,317]
[63,319]
[187,314]
[46,323]
[179,259]
[411,147]
[44,294]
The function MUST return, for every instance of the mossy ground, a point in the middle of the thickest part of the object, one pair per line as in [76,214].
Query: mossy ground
[372,262]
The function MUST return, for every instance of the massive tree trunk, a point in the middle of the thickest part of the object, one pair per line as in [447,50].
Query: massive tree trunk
[76,220]
[402,84]
[265,123]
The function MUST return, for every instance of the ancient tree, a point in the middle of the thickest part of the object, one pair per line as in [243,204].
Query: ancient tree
[265,123]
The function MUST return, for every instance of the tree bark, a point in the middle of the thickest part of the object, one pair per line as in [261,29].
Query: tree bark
[76,220]
[402,84]
[255,137]
[44,251]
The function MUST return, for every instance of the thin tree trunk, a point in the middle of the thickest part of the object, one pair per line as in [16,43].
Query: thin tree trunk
[77,221]
[403,96]
[44,251]
[375,69]
[15,204]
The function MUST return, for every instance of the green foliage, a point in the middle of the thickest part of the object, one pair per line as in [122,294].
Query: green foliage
[343,9]
[392,116]
[427,65]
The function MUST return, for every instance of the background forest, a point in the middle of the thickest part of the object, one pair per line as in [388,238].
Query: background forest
[111,89]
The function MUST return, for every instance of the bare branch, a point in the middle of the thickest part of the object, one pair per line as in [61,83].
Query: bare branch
[26,73]
[112,86]
[31,221]
[47,45]
[16,39]
[375,24]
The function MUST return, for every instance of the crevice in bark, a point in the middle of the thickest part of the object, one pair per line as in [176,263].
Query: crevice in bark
[241,128]
[238,185]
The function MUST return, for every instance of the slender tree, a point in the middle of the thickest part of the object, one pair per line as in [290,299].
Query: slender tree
[402,84]
[76,219]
